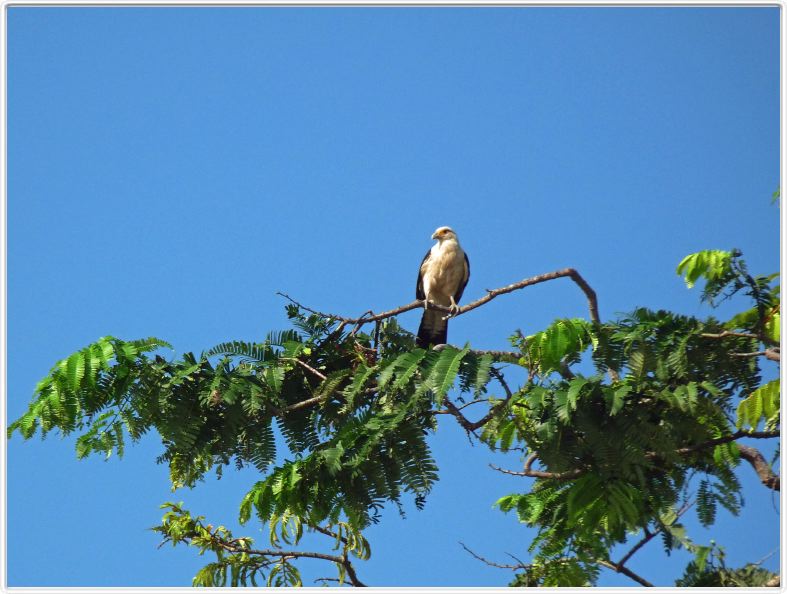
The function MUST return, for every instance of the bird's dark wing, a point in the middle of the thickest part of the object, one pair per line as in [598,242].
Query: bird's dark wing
[419,286]
[463,284]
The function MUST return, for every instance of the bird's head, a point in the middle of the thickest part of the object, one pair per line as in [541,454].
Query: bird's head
[443,233]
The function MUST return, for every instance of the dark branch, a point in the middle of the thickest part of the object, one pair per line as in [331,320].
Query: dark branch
[727,439]
[463,421]
[625,571]
[651,535]
[303,403]
[557,476]
[471,426]
[572,474]
[761,337]
[232,548]
[523,566]
[645,540]
[761,466]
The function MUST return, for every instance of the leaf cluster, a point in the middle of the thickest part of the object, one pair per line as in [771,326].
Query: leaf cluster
[337,424]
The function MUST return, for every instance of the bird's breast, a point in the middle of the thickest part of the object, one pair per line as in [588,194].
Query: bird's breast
[444,271]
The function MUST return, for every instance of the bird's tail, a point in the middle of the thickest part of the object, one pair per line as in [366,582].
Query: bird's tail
[433,329]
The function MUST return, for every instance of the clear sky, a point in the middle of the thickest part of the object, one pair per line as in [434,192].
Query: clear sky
[170,169]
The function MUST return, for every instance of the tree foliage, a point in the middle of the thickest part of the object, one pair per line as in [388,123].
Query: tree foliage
[630,422]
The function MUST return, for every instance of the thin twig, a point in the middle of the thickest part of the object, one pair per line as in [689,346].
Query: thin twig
[499,356]
[465,405]
[727,333]
[492,563]
[771,354]
[557,476]
[306,366]
[494,372]
[502,356]
[303,403]
[766,557]
[313,311]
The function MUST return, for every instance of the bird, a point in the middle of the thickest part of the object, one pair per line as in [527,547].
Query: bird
[442,279]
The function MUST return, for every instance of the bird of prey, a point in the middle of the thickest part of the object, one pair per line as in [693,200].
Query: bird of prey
[442,279]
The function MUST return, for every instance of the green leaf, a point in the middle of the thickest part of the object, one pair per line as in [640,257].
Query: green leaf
[746,320]
[333,458]
[574,389]
[483,372]
[708,264]
[332,382]
[582,494]
[773,326]
[507,502]
[443,372]
[565,338]
[762,403]
[506,435]
[637,363]
[357,385]
[76,370]
[562,406]
[619,399]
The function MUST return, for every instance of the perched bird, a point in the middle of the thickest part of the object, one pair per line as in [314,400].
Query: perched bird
[442,279]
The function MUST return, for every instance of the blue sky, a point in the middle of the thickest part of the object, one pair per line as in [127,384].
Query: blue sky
[170,169]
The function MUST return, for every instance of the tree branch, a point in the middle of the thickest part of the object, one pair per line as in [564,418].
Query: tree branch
[726,439]
[765,473]
[492,563]
[625,571]
[645,540]
[619,567]
[761,466]
[463,421]
[490,294]
[557,476]
[523,566]
[294,555]
[468,425]
[502,356]
[762,338]
[770,354]
[306,366]
[727,333]
[651,535]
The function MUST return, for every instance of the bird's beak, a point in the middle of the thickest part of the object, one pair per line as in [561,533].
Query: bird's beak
[434,235]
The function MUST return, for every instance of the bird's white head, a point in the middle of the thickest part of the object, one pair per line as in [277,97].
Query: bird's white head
[443,234]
